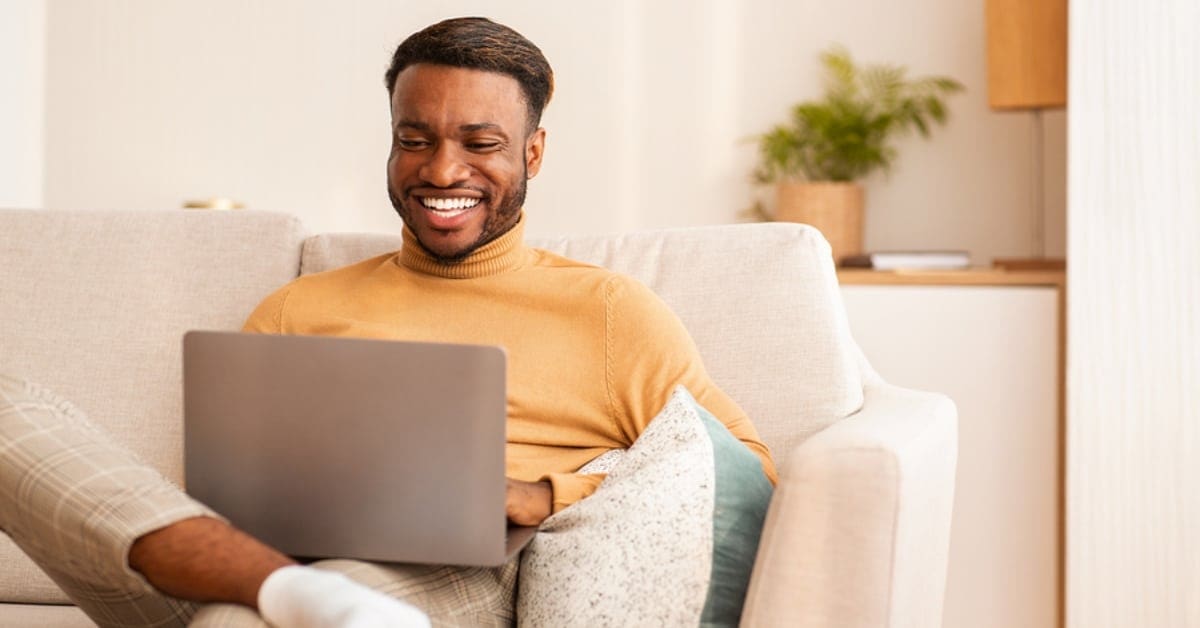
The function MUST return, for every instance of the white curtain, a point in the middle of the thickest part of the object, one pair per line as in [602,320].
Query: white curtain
[1133,463]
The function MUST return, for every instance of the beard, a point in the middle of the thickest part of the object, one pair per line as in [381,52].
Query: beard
[502,216]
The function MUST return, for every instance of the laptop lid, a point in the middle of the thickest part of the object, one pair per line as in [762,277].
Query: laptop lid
[353,448]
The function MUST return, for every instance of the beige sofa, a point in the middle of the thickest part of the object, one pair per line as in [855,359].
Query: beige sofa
[93,305]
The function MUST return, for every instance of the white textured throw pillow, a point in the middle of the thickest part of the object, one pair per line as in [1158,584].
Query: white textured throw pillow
[668,539]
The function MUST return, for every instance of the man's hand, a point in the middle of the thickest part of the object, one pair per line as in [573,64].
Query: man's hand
[528,503]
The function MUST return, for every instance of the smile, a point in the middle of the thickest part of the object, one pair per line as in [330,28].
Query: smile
[449,205]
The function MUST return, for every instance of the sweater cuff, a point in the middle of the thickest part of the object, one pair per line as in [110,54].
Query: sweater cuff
[569,488]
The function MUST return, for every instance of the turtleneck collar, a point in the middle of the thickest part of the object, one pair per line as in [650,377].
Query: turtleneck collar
[505,253]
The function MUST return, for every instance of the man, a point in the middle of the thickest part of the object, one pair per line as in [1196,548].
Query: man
[593,356]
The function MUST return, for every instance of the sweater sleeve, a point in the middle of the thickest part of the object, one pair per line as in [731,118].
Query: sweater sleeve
[569,488]
[649,353]
[267,318]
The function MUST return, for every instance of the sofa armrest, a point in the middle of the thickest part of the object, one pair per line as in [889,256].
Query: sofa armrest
[859,527]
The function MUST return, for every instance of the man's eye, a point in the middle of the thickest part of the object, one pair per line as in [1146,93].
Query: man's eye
[483,146]
[412,144]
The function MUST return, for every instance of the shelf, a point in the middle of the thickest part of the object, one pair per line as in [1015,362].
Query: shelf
[968,277]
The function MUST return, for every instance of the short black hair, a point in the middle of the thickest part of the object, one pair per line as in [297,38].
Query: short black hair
[480,44]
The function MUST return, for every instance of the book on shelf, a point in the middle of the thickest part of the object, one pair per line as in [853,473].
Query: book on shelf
[910,260]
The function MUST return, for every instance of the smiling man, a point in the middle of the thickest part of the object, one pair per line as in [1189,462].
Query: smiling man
[461,154]
[593,357]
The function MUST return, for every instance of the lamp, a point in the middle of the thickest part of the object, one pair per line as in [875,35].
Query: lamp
[1027,71]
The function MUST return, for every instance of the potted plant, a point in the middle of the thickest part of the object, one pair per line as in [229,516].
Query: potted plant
[815,159]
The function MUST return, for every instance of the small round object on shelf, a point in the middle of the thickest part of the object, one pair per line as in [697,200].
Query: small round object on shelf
[217,202]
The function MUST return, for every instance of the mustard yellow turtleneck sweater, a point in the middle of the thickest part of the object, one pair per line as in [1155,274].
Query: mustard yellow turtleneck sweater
[592,355]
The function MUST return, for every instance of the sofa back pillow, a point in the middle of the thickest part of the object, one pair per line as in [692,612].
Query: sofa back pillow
[94,307]
[677,518]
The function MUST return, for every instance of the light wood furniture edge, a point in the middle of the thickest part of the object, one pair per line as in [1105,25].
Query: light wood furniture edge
[970,277]
[1000,277]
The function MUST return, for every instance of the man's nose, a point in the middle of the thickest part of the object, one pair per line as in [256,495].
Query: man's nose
[445,167]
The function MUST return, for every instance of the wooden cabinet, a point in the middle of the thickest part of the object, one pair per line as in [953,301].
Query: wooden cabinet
[992,342]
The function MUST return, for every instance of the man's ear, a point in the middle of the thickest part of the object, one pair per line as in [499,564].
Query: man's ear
[534,146]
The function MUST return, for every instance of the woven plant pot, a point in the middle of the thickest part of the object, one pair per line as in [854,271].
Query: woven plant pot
[834,208]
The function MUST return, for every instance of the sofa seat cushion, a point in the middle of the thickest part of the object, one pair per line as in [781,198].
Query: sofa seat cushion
[95,304]
[761,301]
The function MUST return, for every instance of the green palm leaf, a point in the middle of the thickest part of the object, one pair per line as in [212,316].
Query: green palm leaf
[846,134]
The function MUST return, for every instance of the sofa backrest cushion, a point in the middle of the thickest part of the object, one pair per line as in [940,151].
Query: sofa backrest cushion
[760,300]
[93,305]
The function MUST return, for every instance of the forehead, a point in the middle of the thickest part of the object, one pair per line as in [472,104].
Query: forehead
[440,94]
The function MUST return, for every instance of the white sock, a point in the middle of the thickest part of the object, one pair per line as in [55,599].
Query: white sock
[304,597]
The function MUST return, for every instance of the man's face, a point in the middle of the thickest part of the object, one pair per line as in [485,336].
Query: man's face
[460,156]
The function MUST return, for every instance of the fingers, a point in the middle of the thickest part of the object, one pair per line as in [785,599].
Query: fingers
[528,503]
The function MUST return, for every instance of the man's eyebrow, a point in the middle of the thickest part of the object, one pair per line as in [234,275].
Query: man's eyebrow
[480,126]
[474,127]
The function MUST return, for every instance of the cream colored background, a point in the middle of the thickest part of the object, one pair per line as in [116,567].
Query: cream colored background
[22,95]
[280,104]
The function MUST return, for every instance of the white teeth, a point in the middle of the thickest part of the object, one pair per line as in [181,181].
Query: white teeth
[449,204]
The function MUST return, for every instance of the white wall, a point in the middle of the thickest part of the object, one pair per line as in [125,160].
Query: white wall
[22,122]
[1133,489]
[280,104]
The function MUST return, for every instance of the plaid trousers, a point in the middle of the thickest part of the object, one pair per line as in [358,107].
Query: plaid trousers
[75,501]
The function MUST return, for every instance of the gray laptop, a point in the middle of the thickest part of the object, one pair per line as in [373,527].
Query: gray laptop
[352,448]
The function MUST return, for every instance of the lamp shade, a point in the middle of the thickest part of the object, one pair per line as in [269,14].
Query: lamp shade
[1027,54]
